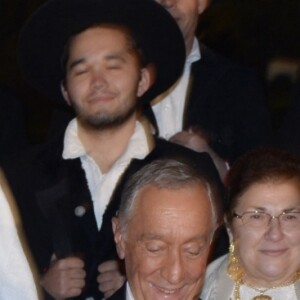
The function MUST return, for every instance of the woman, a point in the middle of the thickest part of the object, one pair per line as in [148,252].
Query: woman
[263,221]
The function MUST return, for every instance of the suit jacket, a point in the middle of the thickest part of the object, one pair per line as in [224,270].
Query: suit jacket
[120,294]
[227,102]
[49,191]
[287,136]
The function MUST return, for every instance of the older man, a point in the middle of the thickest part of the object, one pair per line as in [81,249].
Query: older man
[164,228]
[216,106]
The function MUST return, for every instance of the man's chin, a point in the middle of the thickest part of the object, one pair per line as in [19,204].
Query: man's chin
[102,123]
[105,121]
[159,292]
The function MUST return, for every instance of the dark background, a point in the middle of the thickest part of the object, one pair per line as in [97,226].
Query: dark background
[250,32]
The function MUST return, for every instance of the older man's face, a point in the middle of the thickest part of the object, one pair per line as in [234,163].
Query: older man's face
[186,13]
[166,244]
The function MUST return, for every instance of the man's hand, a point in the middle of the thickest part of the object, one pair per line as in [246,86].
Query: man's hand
[110,278]
[192,140]
[65,278]
[197,141]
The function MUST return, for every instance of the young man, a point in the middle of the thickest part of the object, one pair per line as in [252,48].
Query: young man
[103,58]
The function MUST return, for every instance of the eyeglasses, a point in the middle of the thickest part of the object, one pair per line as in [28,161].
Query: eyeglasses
[258,219]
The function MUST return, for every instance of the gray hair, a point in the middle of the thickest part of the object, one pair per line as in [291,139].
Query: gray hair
[164,174]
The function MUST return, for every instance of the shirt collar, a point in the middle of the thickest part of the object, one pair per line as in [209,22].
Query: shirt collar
[73,147]
[129,295]
[137,146]
[195,53]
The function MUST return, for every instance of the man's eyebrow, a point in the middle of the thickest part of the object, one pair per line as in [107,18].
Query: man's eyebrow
[154,236]
[117,56]
[76,62]
[150,236]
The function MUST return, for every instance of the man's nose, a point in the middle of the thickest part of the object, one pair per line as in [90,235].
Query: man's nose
[98,79]
[173,270]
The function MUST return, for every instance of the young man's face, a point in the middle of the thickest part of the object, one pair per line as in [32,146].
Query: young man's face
[186,13]
[166,242]
[104,77]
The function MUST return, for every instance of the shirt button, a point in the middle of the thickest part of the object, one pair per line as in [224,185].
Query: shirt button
[79,211]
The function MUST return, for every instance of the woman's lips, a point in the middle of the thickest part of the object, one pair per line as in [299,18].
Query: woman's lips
[273,252]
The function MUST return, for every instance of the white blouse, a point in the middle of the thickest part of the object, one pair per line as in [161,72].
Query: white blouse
[286,293]
[219,286]
[16,279]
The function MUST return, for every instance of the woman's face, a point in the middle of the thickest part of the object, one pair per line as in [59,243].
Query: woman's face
[269,255]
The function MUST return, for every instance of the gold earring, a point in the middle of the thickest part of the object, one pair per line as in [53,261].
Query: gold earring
[234,269]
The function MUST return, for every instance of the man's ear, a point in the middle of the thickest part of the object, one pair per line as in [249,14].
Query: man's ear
[118,237]
[202,5]
[65,92]
[148,75]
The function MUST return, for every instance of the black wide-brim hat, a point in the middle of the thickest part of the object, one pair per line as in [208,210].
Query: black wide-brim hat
[45,34]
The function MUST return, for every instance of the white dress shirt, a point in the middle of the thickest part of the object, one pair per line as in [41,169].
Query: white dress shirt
[168,108]
[102,185]
[129,295]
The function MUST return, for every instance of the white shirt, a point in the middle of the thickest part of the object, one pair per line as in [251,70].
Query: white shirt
[16,279]
[129,295]
[168,108]
[102,185]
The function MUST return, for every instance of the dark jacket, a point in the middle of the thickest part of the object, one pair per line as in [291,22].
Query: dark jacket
[48,189]
[13,138]
[120,294]
[227,102]
[288,137]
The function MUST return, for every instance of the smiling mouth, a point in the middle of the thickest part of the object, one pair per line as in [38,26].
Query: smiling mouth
[167,291]
[274,252]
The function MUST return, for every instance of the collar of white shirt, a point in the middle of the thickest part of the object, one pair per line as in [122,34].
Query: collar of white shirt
[101,185]
[73,148]
[195,53]
[129,295]
[169,106]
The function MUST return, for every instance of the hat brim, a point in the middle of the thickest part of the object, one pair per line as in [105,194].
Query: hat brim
[45,34]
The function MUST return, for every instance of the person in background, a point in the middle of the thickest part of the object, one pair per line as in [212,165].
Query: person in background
[263,220]
[100,58]
[216,106]
[163,231]
[17,280]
